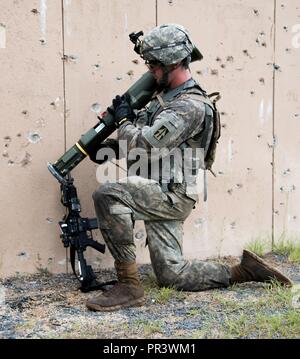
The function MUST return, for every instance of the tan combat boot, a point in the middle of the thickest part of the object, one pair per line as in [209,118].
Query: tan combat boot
[127,292]
[253,268]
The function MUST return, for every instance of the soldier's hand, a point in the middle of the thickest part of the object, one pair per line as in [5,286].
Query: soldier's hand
[122,110]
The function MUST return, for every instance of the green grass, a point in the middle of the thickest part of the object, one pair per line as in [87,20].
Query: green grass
[258,246]
[271,314]
[285,247]
[148,327]
[161,295]
[44,271]
[81,330]
[289,248]
[152,328]
[165,294]
[27,325]
[267,326]
[193,312]
[149,283]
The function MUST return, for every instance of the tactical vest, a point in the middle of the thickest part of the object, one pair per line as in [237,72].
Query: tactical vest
[206,139]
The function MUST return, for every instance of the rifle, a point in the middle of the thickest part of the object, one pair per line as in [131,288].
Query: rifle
[76,233]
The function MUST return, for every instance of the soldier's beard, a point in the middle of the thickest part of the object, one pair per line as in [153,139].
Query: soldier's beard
[164,81]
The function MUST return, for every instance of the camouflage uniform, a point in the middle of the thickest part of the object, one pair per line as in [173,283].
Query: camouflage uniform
[180,119]
[162,208]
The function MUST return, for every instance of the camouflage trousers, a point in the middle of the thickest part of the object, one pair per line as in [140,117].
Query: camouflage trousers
[119,204]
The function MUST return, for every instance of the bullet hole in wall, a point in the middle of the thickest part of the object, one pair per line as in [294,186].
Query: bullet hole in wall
[55,103]
[96,107]
[130,73]
[277,67]
[70,58]
[22,254]
[259,43]
[286,172]
[233,225]
[26,160]
[246,53]
[33,137]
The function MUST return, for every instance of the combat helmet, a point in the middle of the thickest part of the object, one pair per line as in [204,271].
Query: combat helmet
[168,44]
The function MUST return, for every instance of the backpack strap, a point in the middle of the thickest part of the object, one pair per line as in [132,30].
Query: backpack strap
[207,98]
[161,101]
[217,94]
[190,86]
[211,127]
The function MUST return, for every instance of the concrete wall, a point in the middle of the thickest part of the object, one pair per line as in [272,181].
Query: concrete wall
[57,58]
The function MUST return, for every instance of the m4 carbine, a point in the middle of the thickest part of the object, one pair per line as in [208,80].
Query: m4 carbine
[76,233]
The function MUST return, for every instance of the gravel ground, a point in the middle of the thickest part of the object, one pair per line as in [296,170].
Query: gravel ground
[50,306]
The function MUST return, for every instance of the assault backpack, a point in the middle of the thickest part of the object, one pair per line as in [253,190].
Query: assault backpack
[216,133]
[212,129]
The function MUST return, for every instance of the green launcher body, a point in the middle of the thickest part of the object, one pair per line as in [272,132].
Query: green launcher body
[139,94]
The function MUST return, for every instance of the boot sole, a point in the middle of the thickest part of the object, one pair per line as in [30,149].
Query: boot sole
[280,277]
[133,303]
